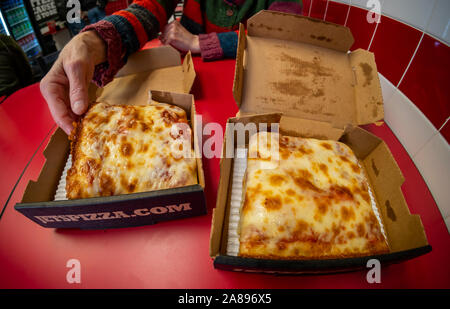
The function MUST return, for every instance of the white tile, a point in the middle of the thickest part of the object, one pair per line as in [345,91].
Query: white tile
[370,5]
[433,162]
[445,123]
[412,59]
[387,88]
[439,24]
[342,1]
[360,3]
[413,12]
[407,122]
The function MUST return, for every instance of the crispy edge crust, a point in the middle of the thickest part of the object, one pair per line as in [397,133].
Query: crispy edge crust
[76,133]
[74,149]
[324,257]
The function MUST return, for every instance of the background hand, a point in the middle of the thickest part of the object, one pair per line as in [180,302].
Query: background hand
[176,35]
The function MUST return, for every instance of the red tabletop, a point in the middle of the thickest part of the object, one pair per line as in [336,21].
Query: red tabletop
[171,254]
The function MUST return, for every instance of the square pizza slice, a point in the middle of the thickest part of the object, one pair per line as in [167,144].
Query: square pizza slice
[120,149]
[306,199]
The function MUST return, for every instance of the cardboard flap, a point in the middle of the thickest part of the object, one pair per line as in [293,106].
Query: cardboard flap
[293,126]
[44,188]
[151,69]
[188,72]
[214,236]
[218,213]
[133,89]
[197,134]
[404,230]
[241,128]
[368,95]
[150,59]
[360,141]
[239,67]
[291,27]
[183,100]
[256,119]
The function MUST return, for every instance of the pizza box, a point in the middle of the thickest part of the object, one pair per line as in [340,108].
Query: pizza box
[161,71]
[297,72]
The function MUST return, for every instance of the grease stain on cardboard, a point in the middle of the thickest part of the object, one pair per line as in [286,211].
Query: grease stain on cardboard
[375,169]
[301,67]
[320,38]
[390,211]
[293,87]
[367,70]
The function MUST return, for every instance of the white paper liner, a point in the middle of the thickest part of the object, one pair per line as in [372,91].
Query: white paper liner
[375,209]
[239,169]
[60,194]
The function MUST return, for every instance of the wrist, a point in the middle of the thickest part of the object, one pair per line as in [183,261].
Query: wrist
[195,45]
[95,45]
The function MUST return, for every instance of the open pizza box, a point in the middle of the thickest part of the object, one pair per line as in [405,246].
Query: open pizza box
[161,71]
[296,72]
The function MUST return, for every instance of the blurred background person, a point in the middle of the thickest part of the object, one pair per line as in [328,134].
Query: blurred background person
[15,70]
[95,10]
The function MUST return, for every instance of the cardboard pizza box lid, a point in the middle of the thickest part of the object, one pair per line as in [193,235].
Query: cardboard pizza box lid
[151,69]
[301,66]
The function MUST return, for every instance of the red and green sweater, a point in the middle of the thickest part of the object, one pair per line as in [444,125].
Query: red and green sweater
[215,21]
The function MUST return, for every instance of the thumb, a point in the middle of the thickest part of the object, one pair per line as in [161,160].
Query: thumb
[77,72]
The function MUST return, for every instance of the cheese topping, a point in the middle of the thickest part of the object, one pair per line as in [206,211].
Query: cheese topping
[306,198]
[127,149]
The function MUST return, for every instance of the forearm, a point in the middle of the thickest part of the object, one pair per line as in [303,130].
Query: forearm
[126,31]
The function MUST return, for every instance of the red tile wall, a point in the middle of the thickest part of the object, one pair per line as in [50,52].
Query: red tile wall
[306,6]
[362,30]
[337,12]
[426,83]
[318,8]
[394,44]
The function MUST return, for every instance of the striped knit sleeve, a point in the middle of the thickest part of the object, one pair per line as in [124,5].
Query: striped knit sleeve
[126,31]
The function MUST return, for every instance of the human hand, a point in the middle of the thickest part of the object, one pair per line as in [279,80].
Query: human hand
[65,87]
[177,36]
